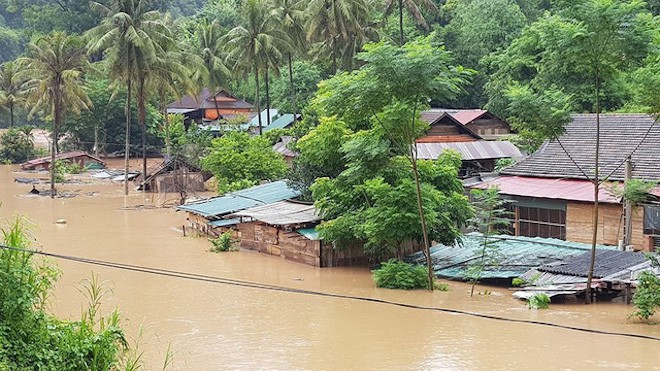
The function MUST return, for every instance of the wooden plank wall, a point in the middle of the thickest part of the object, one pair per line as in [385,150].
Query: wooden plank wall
[610,224]
[289,245]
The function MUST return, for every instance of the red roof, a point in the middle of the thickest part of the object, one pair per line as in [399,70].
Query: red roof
[466,116]
[560,189]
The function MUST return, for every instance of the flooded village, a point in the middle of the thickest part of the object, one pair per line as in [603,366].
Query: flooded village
[329,185]
[209,324]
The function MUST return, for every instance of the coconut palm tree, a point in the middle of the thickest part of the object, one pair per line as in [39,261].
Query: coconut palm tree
[131,35]
[53,70]
[414,8]
[335,26]
[207,46]
[291,19]
[12,92]
[256,44]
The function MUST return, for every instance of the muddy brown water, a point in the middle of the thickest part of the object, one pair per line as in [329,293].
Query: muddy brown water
[211,326]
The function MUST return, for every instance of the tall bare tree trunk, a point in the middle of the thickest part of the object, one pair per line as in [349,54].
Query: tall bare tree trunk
[293,87]
[127,143]
[266,78]
[57,118]
[11,114]
[142,118]
[420,209]
[256,79]
[594,237]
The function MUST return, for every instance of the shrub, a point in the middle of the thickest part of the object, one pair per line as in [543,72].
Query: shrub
[31,338]
[647,296]
[396,274]
[16,146]
[538,301]
[224,242]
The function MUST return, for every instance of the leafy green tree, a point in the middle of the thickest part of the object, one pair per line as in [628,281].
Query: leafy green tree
[16,145]
[12,92]
[256,44]
[238,160]
[370,200]
[11,44]
[305,81]
[54,73]
[474,33]
[414,9]
[558,51]
[537,116]
[131,37]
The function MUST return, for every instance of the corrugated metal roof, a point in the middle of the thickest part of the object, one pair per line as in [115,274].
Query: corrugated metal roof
[310,233]
[282,148]
[282,122]
[446,138]
[282,213]
[559,189]
[479,150]
[620,134]
[274,113]
[519,254]
[607,263]
[232,202]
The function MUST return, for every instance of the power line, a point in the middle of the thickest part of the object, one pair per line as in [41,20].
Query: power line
[261,286]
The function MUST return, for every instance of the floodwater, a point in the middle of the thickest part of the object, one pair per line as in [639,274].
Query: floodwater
[213,326]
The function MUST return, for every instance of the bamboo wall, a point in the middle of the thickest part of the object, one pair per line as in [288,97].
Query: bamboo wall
[579,217]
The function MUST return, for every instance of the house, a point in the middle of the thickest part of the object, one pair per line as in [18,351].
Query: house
[207,107]
[446,132]
[82,159]
[175,175]
[615,272]
[554,196]
[208,216]
[481,122]
[517,255]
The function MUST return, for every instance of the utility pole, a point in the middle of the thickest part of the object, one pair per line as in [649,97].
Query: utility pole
[627,207]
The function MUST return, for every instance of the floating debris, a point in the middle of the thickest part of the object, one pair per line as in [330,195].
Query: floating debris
[60,221]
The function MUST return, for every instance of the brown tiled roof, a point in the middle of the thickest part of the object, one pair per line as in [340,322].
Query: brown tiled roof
[620,134]
[205,100]
[446,138]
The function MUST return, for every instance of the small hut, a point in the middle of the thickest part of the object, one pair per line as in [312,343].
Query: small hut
[83,159]
[175,175]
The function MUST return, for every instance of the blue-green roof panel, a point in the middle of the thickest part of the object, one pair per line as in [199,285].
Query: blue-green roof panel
[282,122]
[310,233]
[236,201]
[517,255]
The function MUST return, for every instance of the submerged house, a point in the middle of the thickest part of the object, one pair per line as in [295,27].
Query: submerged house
[208,216]
[554,196]
[477,154]
[517,255]
[82,159]
[175,175]
[207,107]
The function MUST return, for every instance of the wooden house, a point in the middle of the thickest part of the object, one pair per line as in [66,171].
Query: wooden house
[481,122]
[478,155]
[207,107]
[175,175]
[554,195]
[82,159]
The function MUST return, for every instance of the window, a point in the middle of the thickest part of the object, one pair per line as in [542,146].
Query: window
[652,220]
[539,222]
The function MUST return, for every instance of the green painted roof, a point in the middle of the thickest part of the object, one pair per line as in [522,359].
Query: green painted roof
[310,233]
[282,122]
[518,255]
